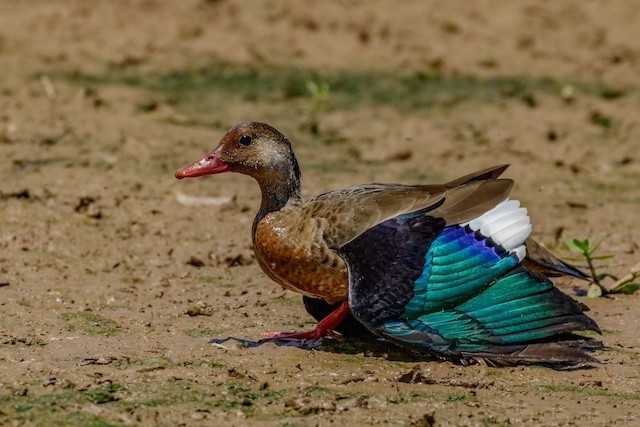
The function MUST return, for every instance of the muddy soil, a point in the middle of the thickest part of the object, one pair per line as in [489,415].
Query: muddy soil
[114,275]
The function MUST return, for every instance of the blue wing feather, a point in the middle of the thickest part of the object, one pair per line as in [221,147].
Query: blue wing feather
[451,291]
[489,319]
[458,264]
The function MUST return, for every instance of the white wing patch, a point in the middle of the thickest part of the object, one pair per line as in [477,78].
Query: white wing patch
[508,225]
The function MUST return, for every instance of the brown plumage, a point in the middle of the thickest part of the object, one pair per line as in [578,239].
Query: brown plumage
[295,241]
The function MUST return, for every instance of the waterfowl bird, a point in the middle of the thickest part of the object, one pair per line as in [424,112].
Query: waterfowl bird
[445,269]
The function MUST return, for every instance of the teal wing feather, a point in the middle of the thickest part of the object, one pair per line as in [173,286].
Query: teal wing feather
[455,293]
[518,310]
[457,265]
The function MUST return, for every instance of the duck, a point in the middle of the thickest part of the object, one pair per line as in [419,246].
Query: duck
[447,270]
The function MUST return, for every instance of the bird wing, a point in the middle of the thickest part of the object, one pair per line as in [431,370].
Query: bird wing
[460,290]
[346,214]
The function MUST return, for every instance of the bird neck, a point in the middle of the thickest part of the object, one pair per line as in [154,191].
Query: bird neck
[279,190]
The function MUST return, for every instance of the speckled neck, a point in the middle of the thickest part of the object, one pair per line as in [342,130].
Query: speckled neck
[279,190]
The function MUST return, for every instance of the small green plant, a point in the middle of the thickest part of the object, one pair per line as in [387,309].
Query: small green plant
[588,248]
[319,92]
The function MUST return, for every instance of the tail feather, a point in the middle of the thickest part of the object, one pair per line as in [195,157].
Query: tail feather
[548,352]
[481,175]
[541,260]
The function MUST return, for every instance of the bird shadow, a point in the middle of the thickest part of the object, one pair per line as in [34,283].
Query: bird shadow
[369,347]
[379,348]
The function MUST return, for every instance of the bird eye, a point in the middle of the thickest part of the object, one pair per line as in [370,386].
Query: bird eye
[245,140]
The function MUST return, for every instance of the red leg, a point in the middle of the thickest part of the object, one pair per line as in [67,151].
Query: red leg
[324,328]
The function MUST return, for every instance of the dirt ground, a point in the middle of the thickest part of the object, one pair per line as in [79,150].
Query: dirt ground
[114,275]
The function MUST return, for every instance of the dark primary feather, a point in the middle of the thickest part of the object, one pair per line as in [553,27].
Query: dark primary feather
[541,260]
[388,258]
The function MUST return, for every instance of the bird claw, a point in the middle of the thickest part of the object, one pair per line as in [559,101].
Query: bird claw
[242,341]
[287,341]
[325,328]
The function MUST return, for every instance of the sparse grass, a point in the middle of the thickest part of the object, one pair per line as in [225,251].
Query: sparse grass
[172,392]
[86,420]
[128,362]
[348,89]
[37,341]
[316,391]
[210,279]
[495,373]
[58,408]
[590,391]
[55,407]
[492,422]
[202,332]
[105,393]
[215,364]
[219,281]
[90,324]
[352,395]
[54,401]
[459,397]
[413,396]
[604,121]
[227,396]
[27,341]
[620,186]
[238,395]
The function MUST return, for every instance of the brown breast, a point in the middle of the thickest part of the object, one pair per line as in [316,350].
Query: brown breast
[293,253]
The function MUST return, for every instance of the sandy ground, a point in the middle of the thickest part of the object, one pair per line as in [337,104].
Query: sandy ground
[114,276]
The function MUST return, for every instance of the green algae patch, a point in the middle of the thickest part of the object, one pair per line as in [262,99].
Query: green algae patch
[90,324]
